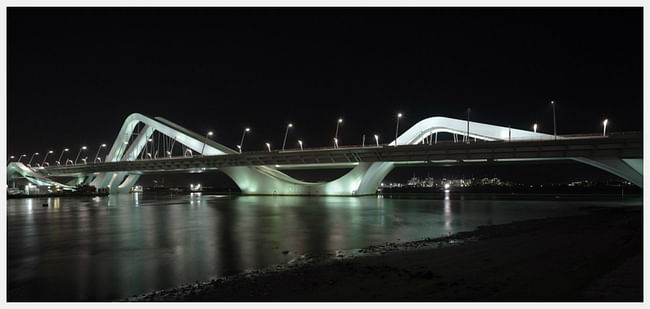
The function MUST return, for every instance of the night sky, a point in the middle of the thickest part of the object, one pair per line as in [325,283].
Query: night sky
[75,74]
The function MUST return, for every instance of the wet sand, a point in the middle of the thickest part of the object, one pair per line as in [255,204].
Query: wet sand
[595,257]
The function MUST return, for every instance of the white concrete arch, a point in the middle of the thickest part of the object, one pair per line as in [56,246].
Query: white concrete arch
[374,173]
[18,169]
[250,179]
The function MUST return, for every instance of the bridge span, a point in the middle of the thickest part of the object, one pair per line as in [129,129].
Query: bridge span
[259,172]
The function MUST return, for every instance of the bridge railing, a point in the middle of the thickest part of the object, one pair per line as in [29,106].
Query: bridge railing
[374,146]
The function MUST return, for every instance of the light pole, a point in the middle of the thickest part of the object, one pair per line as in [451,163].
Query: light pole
[46,154]
[98,149]
[605,127]
[300,143]
[31,158]
[286,131]
[336,142]
[554,127]
[11,158]
[146,148]
[509,133]
[241,144]
[123,150]
[268,146]
[535,128]
[21,156]
[171,151]
[77,158]
[58,162]
[336,135]
[468,111]
[377,139]
[399,115]
[205,141]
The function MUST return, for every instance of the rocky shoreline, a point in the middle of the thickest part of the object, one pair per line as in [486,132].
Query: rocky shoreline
[594,257]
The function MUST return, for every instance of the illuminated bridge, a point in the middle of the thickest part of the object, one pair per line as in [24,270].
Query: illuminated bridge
[260,172]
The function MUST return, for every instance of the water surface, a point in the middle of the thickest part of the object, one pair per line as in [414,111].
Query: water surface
[107,248]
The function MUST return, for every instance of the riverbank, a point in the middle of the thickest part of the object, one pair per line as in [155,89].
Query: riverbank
[595,257]
[58,194]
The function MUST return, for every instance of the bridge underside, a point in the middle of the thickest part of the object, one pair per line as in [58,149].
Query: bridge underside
[363,179]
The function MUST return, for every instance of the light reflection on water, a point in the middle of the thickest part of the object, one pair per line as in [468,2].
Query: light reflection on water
[116,246]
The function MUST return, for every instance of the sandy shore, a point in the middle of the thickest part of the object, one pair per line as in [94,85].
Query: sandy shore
[596,257]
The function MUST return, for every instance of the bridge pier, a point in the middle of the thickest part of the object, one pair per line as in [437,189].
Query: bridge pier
[128,183]
[363,179]
[628,169]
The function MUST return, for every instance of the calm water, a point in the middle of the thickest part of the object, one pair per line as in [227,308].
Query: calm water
[112,247]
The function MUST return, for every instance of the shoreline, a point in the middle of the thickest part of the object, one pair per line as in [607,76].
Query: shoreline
[48,195]
[593,257]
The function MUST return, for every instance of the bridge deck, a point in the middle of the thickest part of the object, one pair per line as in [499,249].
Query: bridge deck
[620,146]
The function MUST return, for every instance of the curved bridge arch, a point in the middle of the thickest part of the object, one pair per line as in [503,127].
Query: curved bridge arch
[250,179]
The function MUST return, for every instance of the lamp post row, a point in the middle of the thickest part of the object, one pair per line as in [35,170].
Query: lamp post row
[268,145]
[58,161]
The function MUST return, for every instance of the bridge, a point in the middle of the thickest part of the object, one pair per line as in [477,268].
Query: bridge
[260,172]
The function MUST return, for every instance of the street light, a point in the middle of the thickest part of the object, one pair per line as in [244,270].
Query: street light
[377,139]
[77,158]
[336,135]
[535,128]
[31,158]
[46,154]
[10,158]
[172,147]
[468,111]
[286,131]
[554,127]
[98,149]
[146,148]
[300,143]
[268,146]
[205,141]
[605,127]
[241,144]
[399,115]
[21,156]
[58,162]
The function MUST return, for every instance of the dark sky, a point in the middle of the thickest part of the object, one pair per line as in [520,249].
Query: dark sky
[75,74]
